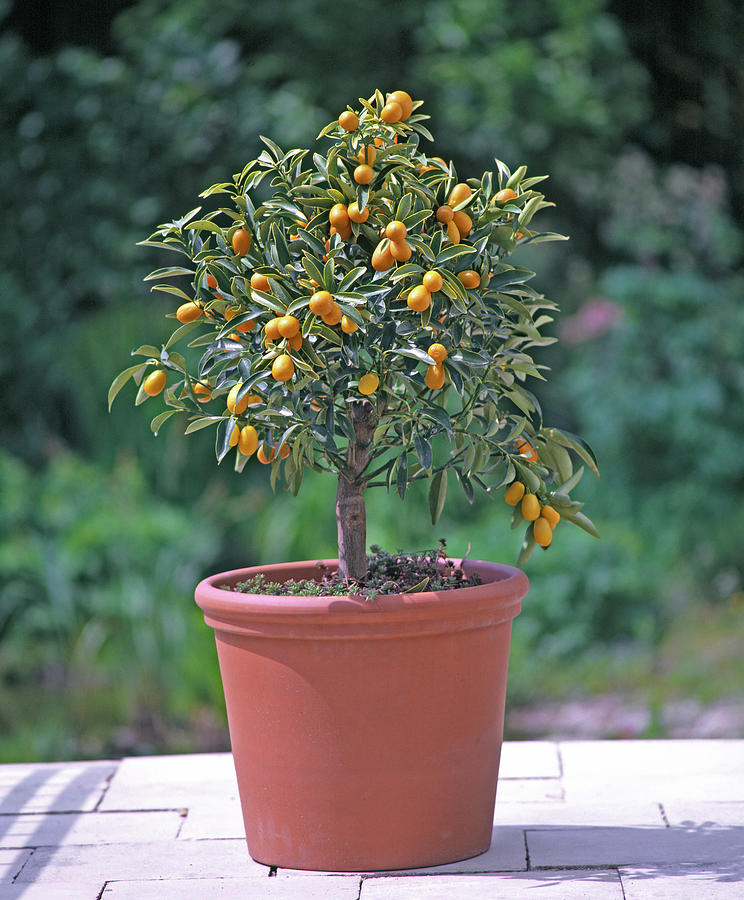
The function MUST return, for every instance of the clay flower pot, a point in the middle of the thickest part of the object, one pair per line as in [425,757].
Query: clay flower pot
[366,734]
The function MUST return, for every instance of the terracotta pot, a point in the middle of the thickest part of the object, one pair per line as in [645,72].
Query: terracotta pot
[366,734]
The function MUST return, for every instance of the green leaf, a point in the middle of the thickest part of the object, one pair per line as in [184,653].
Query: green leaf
[147,350]
[569,485]
[181,332]
[204,225]
[203,422]
[222,438]
[402,479]
[576,444]
[423,451]
[467,486]
[413,353]
[121,379]
[452,252]
[439,415]
[170,272]
[584,522]
[171,289]
[528,545]
[158,421]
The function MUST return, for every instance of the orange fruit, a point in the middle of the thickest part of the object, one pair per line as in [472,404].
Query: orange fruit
[382,258]
[395,230]
[403,100]
[438,352]
[234,434]
[321,303]
[445,214]
[248,440]
[363,174]
[154,383]
[334,316]
[254,399]
[524,448]
[241,242]
[464,222]
[400,250]
[530,507]
[348,326]
[236,406]
[433,281]
[355,215]
[339,216]
[295,342]
[188,312]
[263,456]
[369,383]
[453,232]
[288,326]
[391,112]
[348,120]
[245,327]
[203,392]
[343,233]
[505,195]
[419,298]
[514,493]
[435,377]
[460,193]
[231,312]
[211,281]
[542,532]
[260,282]
[469,278]
[271,329]
[282,369]
[551,516]
[367,154]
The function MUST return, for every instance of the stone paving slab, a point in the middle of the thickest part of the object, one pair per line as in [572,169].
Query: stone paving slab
[128,862]
[681,814]
[53,787]
[632,846]
[529,790]
[693,770]
[77,891]
[11,863]
[530,759]
[313,887]
[171,782]
[562,815]
[600,885]
[36,830]
[684,882]
[213,820]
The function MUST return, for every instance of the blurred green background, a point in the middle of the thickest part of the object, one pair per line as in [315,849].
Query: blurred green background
[116,114]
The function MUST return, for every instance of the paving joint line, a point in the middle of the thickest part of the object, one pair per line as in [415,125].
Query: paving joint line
[622,884]
[664,815]
[526,850]
[106,786]
[18,873]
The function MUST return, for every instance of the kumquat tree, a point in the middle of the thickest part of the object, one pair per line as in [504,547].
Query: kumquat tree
[363,320]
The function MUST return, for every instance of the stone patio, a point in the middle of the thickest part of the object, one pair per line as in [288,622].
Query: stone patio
[586,819]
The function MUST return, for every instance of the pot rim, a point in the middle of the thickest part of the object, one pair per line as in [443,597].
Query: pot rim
[497,599]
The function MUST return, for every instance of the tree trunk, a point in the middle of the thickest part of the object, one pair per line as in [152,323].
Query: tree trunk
[351,514]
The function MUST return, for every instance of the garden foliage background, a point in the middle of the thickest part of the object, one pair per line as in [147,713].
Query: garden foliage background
[115,115]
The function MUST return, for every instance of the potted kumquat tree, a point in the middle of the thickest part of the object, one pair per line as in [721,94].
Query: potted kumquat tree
[362,320]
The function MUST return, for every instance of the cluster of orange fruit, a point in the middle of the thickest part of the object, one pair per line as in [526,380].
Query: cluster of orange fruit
[543,517]
[246,437]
